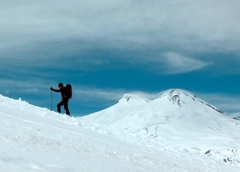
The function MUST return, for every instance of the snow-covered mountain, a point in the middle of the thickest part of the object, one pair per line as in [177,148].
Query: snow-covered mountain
[34,139]
[176,117]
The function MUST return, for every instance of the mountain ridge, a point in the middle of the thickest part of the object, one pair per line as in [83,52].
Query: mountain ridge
[160,118]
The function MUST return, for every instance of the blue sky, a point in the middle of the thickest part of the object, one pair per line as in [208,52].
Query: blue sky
[108,48]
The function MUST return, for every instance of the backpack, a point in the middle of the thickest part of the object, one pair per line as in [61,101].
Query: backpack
[69,90]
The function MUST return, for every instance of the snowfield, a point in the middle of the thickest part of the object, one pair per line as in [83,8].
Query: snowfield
[177,132]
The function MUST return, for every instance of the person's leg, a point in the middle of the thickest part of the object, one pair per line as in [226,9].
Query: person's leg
[59,106]
[66,107]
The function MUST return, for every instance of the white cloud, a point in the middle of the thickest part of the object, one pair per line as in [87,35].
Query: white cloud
[176,63]
[184,24]
[53,34]
[32,86]
[112,95]
[90,94]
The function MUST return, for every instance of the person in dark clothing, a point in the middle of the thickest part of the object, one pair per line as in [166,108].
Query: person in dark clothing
[64,100]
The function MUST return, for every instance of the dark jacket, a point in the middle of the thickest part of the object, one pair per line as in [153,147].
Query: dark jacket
[63,92]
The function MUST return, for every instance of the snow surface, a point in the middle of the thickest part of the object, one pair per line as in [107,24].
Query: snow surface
[37,139]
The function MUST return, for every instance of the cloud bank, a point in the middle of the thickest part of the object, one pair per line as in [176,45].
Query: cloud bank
[50,29]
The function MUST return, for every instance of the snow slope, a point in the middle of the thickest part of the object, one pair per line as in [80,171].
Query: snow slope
[36,139]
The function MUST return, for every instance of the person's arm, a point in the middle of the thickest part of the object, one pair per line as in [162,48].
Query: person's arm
[55,90]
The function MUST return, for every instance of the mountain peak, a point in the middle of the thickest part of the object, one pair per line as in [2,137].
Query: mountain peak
[176,92]
[132,99]
[182,97]
[177,96]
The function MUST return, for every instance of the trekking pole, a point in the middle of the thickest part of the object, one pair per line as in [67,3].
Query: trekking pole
[51,99]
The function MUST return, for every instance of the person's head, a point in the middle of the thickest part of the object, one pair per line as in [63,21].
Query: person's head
[60,85]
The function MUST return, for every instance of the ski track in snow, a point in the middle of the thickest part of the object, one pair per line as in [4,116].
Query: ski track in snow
[36,139]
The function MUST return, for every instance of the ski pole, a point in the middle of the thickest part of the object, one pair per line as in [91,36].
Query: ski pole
[51,99]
